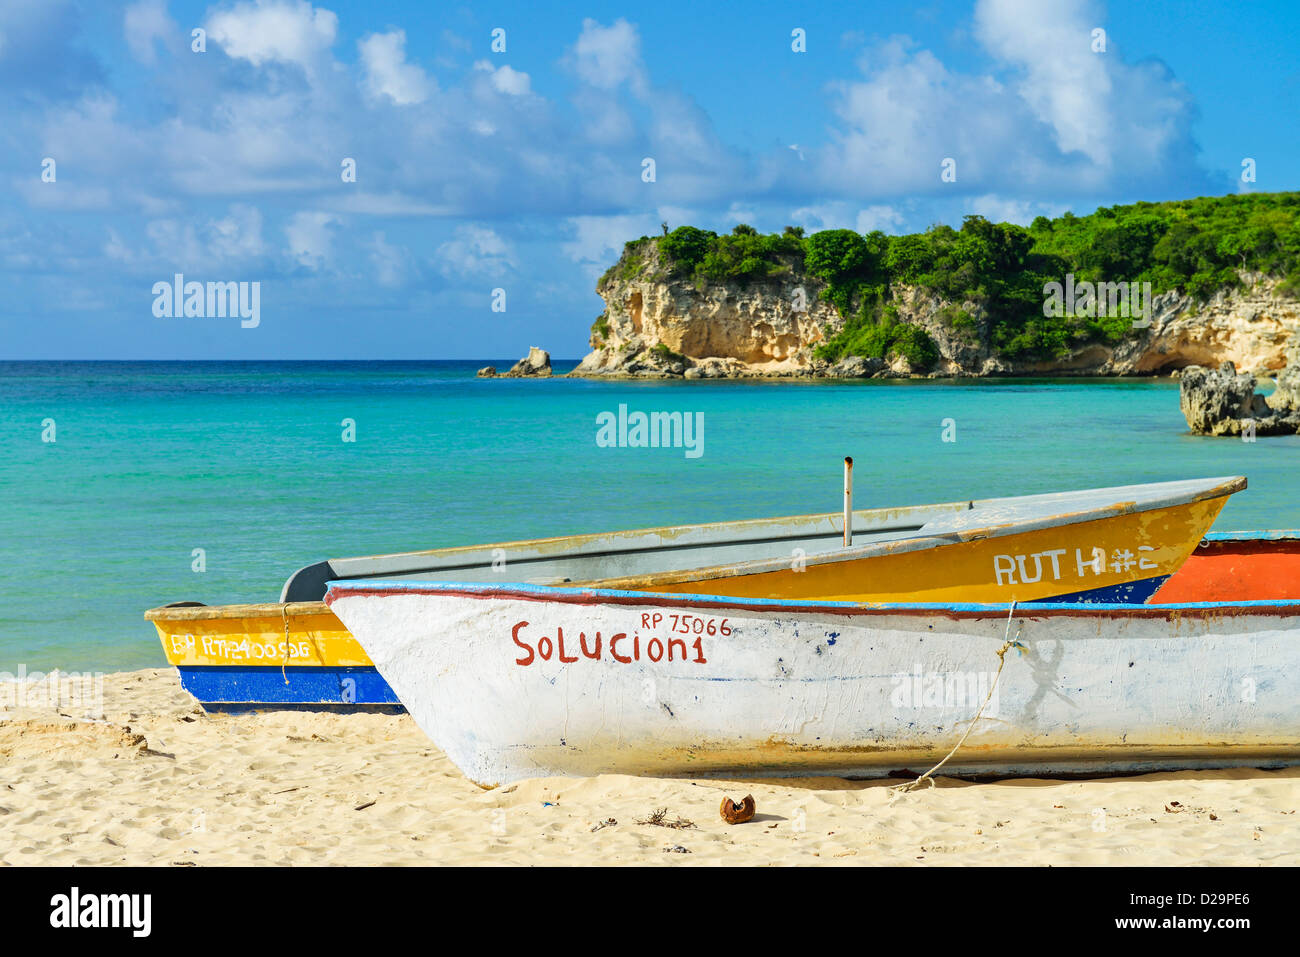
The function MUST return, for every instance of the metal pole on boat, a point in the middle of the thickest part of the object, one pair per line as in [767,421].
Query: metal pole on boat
[848,501]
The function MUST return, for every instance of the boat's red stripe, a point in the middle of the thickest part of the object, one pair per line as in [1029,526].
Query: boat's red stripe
[1258,570]
[955,612]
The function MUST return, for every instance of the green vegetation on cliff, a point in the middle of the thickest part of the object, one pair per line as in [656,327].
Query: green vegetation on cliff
[1196,246]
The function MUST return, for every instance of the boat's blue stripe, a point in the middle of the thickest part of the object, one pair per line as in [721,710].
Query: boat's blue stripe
[340,687]
[1271,535]
[1129,593]
[794,604]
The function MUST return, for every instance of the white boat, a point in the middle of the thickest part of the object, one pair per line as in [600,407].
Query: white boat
[518,681]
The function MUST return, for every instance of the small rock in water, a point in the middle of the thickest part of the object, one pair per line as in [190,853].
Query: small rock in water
[855,367]
[537,364]
[1224,402]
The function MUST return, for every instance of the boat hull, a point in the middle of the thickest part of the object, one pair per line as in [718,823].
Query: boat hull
[514,683]
[1123,558]
[270,657]
[1228,566]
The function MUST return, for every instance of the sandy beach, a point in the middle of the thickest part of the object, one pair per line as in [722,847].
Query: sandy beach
[155,781]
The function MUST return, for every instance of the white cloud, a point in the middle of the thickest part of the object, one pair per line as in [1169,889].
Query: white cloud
[388,204]
[285,31]
[1001,209]
[310,239]
[829,215]
[237,235]
[177,243]
[884,218]
[390,262]
[676,216]
[604,118]
[231,239]
[600,239]
[739,213]
[1119,115]
[145,22]
[1066,85]
[474,250]
[1052,111]
[117,250]
[65,196]
[907,116]
[607,57]
[506,80]
[383,55]
[840,214]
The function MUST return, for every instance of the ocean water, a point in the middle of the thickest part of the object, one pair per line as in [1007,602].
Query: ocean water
[247,462]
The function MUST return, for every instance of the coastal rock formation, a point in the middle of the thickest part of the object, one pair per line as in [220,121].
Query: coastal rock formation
[651,325]
[1224,402]
[855,367]
[487,372]
[658,325]
[537,364]
[1214,401]
[1251,327]
[1287,394]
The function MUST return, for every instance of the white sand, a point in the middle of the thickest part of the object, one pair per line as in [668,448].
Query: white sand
[159,782]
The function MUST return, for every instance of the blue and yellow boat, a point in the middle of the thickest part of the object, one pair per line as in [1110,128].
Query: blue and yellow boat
[1113,545]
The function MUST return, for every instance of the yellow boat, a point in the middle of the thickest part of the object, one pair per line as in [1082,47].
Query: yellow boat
[1114,545]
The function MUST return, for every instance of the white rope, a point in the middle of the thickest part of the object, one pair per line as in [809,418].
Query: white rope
[284,613]
[1007,645]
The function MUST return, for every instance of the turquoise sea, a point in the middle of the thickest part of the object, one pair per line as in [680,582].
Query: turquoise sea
[246,461]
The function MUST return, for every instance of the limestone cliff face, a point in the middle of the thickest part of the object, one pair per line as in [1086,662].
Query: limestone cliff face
[1253,328]
[657,325]
[757,328]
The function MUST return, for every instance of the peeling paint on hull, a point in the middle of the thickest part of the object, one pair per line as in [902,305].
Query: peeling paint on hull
[796,688]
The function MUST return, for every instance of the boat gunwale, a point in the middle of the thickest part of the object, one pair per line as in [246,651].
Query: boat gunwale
[955,610]
[271,609]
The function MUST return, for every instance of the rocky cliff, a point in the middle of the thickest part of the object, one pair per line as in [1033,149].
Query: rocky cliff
[656,324]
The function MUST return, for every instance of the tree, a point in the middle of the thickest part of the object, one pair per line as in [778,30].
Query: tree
[686,246]
[908,257]
[834,254]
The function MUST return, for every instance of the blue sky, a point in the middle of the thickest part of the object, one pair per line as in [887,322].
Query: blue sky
[522,170]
